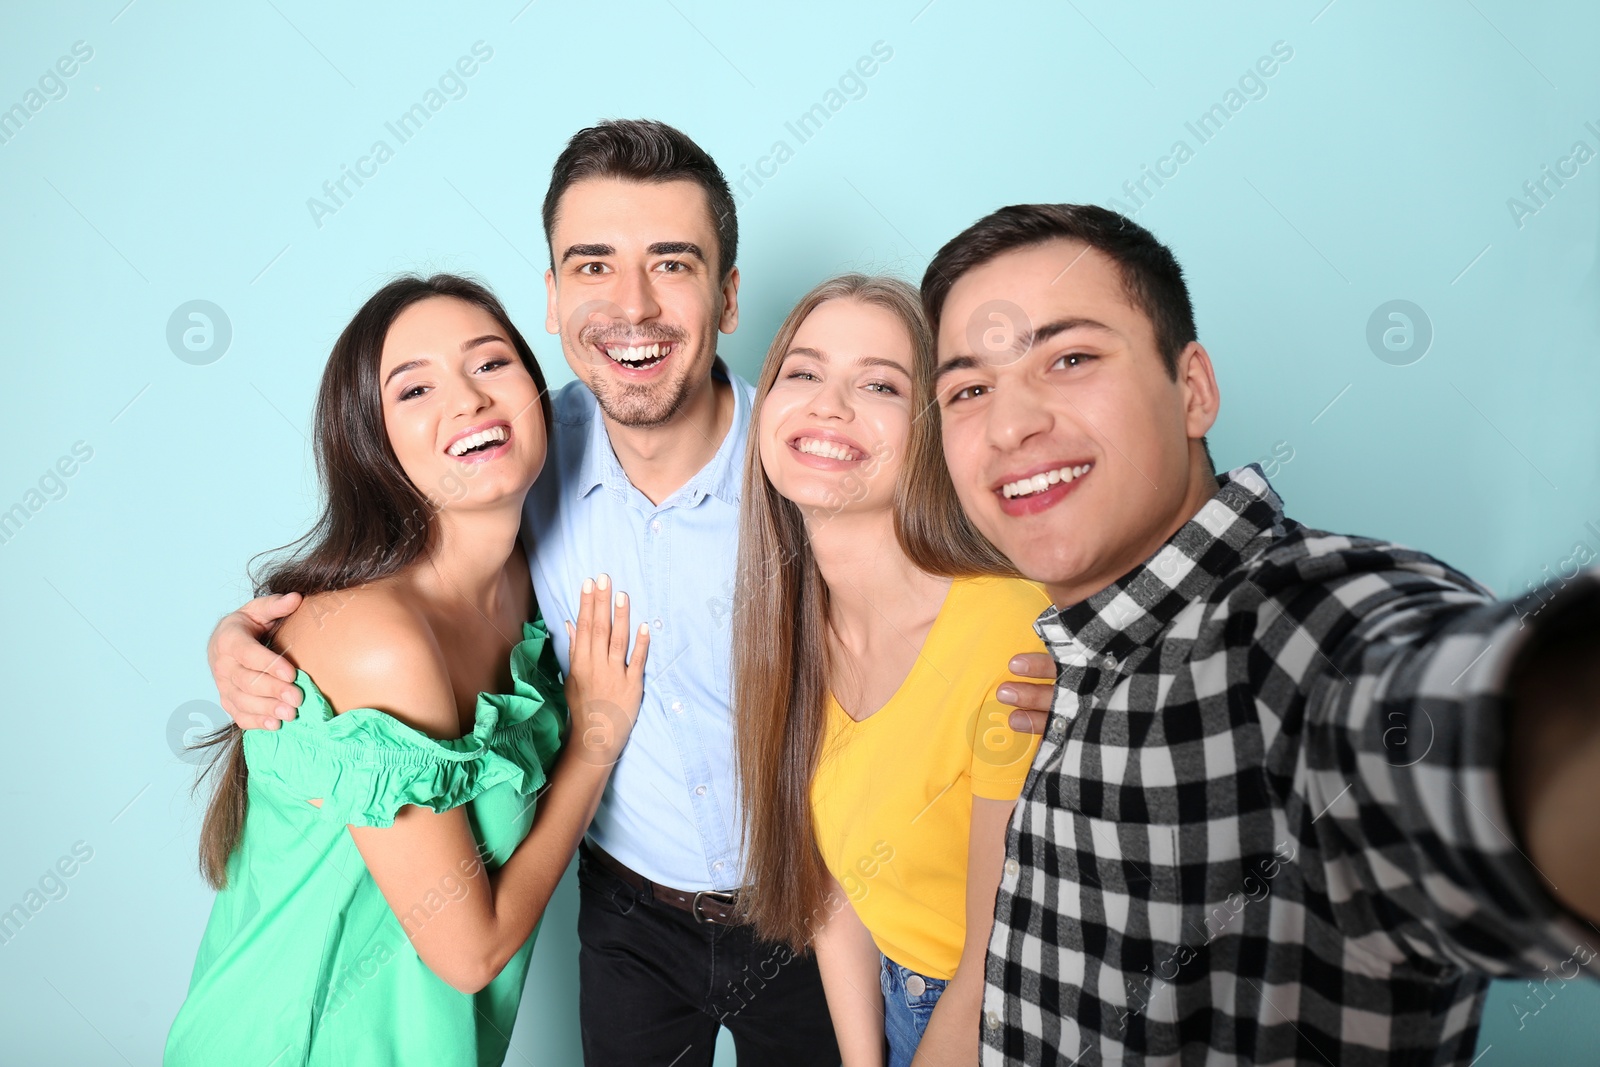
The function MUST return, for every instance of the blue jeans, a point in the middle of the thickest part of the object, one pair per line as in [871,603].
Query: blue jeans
[906,1014]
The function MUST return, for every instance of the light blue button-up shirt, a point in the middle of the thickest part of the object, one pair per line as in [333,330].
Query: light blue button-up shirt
[670,810]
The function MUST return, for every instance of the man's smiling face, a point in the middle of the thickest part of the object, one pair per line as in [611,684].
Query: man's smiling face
[1071,447]
[637,295]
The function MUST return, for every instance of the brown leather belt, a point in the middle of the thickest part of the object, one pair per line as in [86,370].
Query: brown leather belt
[706,905]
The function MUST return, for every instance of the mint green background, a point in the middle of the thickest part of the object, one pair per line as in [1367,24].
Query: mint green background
[178,166]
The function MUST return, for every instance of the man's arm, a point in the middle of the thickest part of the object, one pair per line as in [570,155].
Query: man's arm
[255,684]
[1414,721]
[1552,767]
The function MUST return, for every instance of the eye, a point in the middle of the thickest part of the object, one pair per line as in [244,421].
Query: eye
[674,266]
[496,363]
[592,269]
[971,392]
[414,391]
[807,375]
[883,387]
[1074,359]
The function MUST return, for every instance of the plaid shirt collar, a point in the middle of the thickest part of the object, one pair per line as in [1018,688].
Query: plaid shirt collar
[1234,526]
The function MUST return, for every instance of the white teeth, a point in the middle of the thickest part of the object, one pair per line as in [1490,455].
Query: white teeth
[1040,482]
[493,434]
[817,447]
[635,353]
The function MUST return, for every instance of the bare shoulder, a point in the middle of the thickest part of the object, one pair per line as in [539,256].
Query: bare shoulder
[368,647]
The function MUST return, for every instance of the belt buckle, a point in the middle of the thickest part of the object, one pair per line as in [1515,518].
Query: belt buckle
[718,895]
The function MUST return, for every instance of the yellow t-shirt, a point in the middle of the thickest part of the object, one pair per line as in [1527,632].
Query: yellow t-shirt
[891,803]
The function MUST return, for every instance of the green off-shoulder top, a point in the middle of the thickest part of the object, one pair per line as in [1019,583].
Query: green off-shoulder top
[302,961]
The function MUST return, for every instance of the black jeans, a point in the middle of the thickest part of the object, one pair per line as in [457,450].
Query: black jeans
[655,985]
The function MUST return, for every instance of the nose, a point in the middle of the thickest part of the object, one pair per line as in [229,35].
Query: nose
[635,296]
[831,400]
[468,396]
[1015,416]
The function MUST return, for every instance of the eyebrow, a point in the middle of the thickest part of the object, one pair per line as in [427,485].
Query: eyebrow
[659,248]
[466,346]
[1025,340]
[865,361]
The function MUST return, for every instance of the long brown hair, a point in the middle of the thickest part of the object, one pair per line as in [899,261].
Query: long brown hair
[780,620]
[374,522]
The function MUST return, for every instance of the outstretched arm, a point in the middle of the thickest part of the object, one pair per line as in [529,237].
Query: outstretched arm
[1553,758]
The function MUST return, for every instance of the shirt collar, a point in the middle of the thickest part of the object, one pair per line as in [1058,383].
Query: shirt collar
[1233,526]
[719,478]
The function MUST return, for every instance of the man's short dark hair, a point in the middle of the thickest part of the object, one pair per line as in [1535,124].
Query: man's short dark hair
[1150,272]
[643,150]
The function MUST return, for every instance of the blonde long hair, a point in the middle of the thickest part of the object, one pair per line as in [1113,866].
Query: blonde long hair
[780,620]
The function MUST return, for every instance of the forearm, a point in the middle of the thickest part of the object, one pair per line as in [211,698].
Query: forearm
[1553,763]
[850,967]
[952,1034]
[522,887]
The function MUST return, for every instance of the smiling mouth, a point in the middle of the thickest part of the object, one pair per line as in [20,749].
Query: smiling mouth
[816,446]
[639,357]
[481,441]
[1044,481]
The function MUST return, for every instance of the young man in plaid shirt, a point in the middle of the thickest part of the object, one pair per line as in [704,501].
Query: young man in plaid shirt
[1300,795]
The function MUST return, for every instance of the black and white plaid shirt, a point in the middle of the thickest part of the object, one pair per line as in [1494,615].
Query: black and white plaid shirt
[1265,823]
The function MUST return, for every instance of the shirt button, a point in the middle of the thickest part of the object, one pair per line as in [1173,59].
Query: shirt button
[655,525]
[699,790]
[991,1019]
[677,705]
[655,623]
[717,866]
[1012,867]
[1111,663]
[915,985]
[1055,729]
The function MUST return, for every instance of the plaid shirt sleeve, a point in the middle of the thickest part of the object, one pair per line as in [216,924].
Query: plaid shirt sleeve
[1264,824]
[1400,765]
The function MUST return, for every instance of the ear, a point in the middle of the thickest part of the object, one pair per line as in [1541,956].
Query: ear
[1198,381]
[552,322]
[730,303]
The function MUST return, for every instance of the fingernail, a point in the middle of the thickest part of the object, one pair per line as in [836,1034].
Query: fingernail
[284,712]
[291,697]
[622,599]
[284,674]
[644,629]
[605,582]
[1007,694]
[1018,721]
[270,724]
[1016,665]
[588,585]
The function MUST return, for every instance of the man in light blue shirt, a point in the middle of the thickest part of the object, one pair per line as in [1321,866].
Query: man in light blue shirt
[670,810]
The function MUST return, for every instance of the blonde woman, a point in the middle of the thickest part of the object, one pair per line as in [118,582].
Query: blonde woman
[874,628]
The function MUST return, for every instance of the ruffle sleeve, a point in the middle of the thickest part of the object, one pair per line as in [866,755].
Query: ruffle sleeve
[366,765]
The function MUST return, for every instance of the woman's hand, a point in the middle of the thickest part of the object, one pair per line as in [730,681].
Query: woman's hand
[604,687]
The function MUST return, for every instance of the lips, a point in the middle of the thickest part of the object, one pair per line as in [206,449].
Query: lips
[1037,490]
[481,442]
[826,449]
[637,358]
